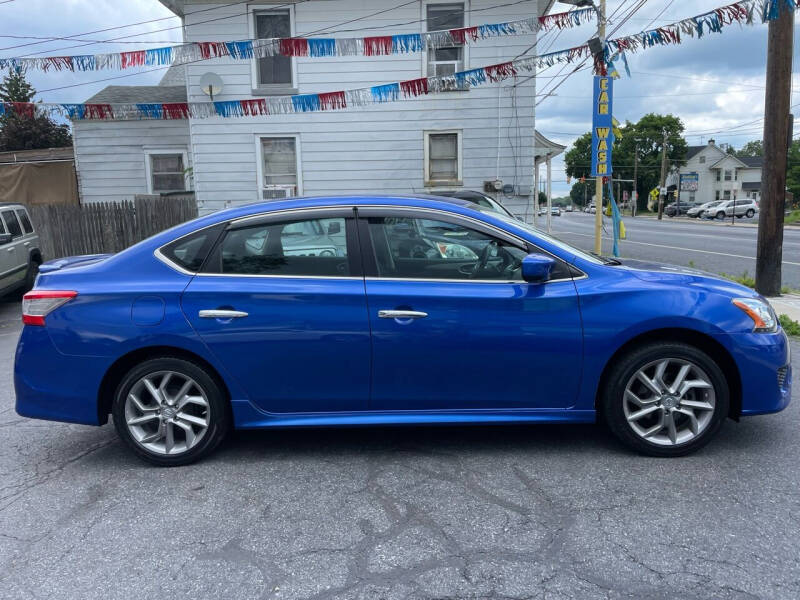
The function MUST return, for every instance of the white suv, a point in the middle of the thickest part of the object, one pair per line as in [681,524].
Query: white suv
[746,207]
[20,255]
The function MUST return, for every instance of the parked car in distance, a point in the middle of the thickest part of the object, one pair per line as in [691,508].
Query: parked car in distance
[569,208]
[478,198]
[698,211]
[20,255]
[679,208]
[214,324]
[555,211]
[745,207]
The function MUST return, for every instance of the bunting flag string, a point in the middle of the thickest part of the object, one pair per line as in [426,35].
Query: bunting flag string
[404,43]
[741,12]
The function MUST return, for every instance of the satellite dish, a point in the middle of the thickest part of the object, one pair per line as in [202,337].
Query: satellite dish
[211,84]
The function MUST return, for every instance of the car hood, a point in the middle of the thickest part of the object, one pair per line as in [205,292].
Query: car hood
[677,275]
[68,262]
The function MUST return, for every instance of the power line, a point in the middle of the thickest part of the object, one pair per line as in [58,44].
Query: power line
[122,39]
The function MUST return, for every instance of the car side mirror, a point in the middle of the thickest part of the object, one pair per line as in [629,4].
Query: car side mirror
[6,238]
[334,228]
[536,268]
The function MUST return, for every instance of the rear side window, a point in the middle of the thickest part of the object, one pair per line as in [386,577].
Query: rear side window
[10,220]
[300,248]
[190,252]
[24,220]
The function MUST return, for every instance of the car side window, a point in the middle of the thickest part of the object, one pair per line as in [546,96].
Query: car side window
[24,220]
[302,248]
[10,220]
[190,252]
[411,248]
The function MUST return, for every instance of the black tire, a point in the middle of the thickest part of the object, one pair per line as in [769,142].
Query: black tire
[626,367]
[721,216]
[218,412]
[30,276]
[750,213]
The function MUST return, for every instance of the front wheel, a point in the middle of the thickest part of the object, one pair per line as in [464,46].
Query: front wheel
[665,399]
[721,215]
[750,213]
[170,412]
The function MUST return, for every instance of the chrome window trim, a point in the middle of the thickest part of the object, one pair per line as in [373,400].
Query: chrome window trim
[495,281]
[353,207]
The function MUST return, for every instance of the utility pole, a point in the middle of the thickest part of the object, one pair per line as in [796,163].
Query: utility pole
[777,138]
[662,192]
[635,200]
[598,185]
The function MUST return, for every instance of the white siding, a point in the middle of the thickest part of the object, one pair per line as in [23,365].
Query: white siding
[110,157]
[378,149]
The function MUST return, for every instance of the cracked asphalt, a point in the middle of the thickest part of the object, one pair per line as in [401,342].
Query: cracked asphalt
[421,513]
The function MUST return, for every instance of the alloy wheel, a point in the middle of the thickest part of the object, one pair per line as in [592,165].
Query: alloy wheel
[669,402]
[167,413]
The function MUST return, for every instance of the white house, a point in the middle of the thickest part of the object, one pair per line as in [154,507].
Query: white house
[457,139]
[722,176]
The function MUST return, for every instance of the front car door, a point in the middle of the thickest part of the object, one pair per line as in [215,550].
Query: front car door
[15,255]
[280,302]
[454,326]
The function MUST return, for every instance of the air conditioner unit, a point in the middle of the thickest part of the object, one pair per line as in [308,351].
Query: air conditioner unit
[276,192]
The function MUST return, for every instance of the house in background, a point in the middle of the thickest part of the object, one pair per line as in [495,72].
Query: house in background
[460,139]
[722,176]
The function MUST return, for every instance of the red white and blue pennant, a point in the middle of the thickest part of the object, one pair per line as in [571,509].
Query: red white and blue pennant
[403,43]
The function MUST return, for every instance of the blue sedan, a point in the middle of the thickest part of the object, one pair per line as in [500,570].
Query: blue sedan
[386,311]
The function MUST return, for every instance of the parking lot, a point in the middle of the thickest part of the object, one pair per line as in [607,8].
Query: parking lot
[512,512]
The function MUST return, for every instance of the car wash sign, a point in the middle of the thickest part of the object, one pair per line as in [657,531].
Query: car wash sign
[602,127]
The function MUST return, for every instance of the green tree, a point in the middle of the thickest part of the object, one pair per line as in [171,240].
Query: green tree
[754,148]
[18,132]
[645,138]
[793,171]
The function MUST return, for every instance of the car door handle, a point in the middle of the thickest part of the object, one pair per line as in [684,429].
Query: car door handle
[222,314]
[10,249]
[27,244]
[402,314]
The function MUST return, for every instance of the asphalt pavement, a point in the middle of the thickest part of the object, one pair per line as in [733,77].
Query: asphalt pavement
[711,246]
[408,513]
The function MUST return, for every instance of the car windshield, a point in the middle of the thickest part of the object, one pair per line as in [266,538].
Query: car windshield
[548,238]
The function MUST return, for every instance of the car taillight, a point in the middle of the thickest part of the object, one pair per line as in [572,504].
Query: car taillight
[36,305]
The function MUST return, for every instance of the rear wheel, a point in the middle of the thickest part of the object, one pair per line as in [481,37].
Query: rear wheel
[666,399]
[170,412]
[720,215]
[30,276]
[750,213]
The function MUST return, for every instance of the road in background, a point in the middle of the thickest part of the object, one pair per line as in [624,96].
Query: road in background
[708,246]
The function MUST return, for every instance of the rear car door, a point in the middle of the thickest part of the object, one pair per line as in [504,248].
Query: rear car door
[15,255]
[280,302]
[454,326]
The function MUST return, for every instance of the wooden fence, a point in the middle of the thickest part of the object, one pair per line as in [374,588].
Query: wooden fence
[106,227]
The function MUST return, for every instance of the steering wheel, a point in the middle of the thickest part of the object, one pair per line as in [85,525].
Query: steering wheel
[483,259]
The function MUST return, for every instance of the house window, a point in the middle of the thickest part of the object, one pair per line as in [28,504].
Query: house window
[719,175]
[716,195]
[726,195]
[442,62]
[728,175]
[273,71]
[443,158]
[167,172]
[278,167]
[702,160]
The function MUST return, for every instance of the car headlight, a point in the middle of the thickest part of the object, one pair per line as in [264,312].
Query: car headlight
[764,319]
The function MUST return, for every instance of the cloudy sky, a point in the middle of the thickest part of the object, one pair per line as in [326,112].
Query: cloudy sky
[713,85]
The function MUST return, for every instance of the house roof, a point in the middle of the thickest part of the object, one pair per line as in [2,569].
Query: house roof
[44,155]
[754,162]
[545,146]
[717,164]
[694,151]
[130,94]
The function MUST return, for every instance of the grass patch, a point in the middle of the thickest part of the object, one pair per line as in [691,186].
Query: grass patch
[747,281]
[789,325]
[793,218]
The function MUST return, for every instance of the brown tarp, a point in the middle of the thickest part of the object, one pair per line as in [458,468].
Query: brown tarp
[39,183]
